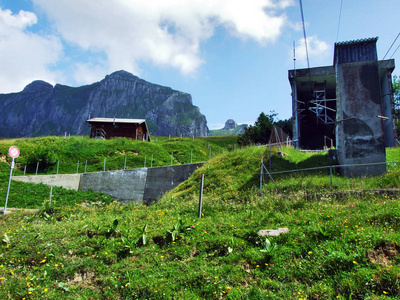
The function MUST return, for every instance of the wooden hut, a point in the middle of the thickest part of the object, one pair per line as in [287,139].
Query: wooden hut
[107,128]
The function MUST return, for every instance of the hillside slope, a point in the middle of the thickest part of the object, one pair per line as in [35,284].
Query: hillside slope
[346,248]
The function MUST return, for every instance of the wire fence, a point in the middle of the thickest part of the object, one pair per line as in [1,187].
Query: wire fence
[116,163]
[334,171]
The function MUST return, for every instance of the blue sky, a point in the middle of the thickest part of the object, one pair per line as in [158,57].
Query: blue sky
[232,56]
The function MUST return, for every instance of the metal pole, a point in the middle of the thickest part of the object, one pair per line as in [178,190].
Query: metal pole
[261,176]
[271,177]
[8,188]
[25,170]
[77,167]
[191,156]
[37,168]
[125,163]
[201,194]
[270,156]
[85,166]
[51,192]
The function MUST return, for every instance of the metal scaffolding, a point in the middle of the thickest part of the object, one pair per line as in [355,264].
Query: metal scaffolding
[320,108]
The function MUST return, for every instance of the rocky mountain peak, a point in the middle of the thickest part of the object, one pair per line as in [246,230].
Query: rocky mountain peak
[121,75]
[41,109]
[37,86]
[230,124]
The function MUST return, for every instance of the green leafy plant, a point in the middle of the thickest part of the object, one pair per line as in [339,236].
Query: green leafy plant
[139,240]
[112,229]
[268,247]
[177,231]
[6,239]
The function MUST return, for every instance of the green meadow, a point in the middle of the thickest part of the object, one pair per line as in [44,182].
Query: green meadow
[343,243]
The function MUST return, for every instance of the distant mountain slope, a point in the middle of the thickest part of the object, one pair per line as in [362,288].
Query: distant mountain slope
[41,109]
[231,127]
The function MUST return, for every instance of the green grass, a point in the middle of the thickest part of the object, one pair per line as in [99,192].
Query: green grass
[67,152]
[335,249]
[338,247]
[317,181]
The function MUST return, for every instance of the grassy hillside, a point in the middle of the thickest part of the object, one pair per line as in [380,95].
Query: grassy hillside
[343,247]
[48,151]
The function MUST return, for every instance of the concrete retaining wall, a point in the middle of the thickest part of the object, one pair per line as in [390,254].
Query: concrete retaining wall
[145,185]
[163,179]
[125,185]
[67,181]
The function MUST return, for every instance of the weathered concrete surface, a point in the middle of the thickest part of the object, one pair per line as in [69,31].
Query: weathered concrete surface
[124,185]
[163,179]
[145,185]
[359,132]
[67,181]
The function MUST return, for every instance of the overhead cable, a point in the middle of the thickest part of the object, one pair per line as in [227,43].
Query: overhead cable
[395,51]
[305,42]
[304,32]
[340,16]
[392,46]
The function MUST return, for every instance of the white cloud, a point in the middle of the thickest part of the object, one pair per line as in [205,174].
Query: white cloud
[318,51]
[163,32]
[24,56]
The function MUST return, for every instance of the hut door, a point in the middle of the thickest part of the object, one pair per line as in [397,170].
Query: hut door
[140,134]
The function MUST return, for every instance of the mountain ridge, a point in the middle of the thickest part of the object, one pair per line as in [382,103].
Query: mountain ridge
[60,108]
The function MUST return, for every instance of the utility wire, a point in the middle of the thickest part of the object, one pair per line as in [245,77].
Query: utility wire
[392,46]
[340,16]
[395,51]
[304,32]
[305,42]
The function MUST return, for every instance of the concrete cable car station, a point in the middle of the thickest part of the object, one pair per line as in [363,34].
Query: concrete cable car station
[348,105]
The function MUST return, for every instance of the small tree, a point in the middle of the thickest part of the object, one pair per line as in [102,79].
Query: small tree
[260,132]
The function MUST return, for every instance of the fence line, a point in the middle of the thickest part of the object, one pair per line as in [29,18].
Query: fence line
[75,166]
[331,167]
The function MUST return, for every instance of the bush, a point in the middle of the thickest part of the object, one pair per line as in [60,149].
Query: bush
[42,155]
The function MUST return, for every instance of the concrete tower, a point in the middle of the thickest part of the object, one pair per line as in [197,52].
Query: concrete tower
[359,131]
[348,105]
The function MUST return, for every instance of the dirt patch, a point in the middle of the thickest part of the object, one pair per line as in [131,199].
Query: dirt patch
[83,278]
[383,255]
[123,152]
